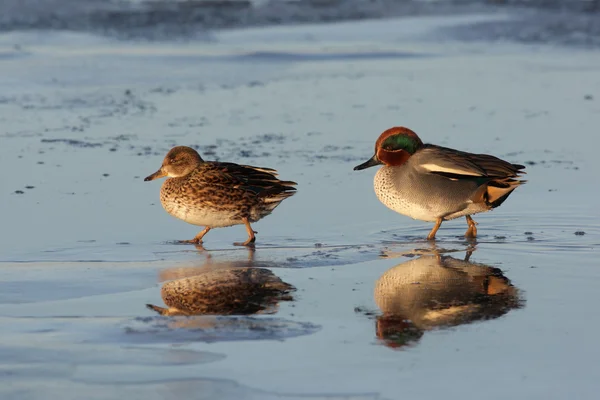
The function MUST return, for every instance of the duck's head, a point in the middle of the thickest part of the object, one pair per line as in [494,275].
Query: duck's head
[393,148]
[178,162]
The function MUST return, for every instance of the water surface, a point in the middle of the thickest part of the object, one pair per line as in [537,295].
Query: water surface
[85,243]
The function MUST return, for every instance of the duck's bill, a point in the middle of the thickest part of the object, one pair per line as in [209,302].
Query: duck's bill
[373,161]
[158,174]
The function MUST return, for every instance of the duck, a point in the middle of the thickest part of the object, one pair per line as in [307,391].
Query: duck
[216,194]
[433,183]
[434,291]
[232,291]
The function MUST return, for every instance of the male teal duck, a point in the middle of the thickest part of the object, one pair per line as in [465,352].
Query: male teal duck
[218,194]
[435,183]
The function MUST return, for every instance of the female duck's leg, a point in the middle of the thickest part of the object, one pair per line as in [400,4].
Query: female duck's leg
[198,238]
[472,230]
[431,235]
[251,237]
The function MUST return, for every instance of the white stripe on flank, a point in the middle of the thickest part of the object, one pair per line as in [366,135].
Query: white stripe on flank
[438,168]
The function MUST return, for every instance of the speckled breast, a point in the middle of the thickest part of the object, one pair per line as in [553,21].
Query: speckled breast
[426,197]
[396,190]
[193,210]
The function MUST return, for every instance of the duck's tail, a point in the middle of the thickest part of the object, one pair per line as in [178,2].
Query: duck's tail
[272,197]
[498,189]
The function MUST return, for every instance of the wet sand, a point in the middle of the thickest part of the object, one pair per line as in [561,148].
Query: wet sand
[85,243]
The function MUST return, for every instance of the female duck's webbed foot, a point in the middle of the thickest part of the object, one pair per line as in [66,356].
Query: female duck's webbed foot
[437,225]
[472,230]
[198,238]
[251,237]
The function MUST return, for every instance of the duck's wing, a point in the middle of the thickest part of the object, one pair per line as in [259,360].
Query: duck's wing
[455,164]
[258,180]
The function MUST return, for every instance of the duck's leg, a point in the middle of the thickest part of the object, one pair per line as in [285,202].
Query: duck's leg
[472,230]
[198,238]
[437,225]
[251,251]
[468,254]
[251,237]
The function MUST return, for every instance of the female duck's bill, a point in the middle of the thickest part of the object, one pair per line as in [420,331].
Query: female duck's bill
[157,175]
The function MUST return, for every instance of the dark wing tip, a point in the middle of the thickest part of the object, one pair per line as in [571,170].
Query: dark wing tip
[288,183]
[280,190]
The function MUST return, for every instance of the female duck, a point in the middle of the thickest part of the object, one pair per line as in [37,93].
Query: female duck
[218,194]
[434,183]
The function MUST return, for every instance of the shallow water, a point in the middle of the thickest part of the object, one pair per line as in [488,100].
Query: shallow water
[85,243]
[572,22]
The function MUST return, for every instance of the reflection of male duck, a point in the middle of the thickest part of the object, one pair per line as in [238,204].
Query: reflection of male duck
[439,291]
[239,291]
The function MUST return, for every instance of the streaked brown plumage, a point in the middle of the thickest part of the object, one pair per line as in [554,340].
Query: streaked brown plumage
[218,194]
[224,292]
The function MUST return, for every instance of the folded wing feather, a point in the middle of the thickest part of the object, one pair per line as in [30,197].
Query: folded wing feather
[456,164]
[261,181]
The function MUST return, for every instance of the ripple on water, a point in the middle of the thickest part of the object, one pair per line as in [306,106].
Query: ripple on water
[534,232]
[213,329]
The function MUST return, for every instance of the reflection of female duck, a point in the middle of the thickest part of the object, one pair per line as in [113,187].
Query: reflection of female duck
[434,291]
[225,292]
[209,264]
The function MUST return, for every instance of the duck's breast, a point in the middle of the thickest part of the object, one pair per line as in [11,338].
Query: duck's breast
[393,188]
[197,207]
[422,196]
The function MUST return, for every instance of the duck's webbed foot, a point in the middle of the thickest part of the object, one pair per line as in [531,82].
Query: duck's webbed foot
[198,238]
